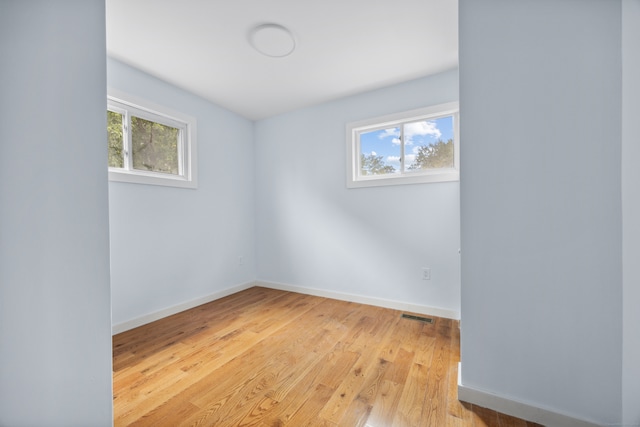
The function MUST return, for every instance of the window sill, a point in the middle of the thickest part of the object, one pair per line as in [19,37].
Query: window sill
[151,179]
[376,181]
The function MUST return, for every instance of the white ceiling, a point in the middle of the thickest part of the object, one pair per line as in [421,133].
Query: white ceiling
[342,47]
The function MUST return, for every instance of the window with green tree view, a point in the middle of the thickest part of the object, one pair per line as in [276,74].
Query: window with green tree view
[417,146]
[149,146]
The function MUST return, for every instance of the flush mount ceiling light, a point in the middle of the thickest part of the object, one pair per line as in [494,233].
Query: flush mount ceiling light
[272,40]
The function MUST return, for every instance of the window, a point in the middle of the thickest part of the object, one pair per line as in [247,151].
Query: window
[149,144]
[418,146]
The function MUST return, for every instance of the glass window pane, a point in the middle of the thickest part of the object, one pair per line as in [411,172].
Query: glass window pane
[380,152]
[429,144]
[154,146]
[114,135]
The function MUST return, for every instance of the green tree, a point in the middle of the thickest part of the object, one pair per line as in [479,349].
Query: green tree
[434,156]
[154,146]
[114,132]
[374,165]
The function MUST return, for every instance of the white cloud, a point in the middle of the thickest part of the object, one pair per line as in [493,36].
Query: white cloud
[393,161]
[373,153]
[416,149]
[421,128]
[395,132]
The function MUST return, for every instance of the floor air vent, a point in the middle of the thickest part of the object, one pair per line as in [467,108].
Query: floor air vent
[418,318]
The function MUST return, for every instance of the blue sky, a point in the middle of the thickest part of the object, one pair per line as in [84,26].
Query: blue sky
[386,142]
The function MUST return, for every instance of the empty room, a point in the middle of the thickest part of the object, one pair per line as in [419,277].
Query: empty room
[354,213]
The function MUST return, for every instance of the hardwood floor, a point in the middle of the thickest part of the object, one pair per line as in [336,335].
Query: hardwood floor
[270,358]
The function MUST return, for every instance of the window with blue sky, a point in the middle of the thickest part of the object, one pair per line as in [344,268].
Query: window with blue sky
[428,144]
[418,146]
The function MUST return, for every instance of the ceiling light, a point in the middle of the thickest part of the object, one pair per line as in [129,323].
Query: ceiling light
[272,40]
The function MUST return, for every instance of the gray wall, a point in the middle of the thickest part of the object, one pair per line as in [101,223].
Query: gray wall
[55,329]
[631,209]
[313,232]
[540,92]
[174,245]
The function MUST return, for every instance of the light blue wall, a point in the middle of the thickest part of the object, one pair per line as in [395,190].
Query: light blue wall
[173,245]
[631,209]
[313,232]
[55,329]
[540,92]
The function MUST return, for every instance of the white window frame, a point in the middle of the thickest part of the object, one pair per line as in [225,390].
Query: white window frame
[356,180]
[128,105]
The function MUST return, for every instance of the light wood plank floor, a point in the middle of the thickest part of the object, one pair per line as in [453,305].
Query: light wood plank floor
[270,358]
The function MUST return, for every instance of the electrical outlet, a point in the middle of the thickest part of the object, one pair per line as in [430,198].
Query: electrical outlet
[426,273]
[240,260]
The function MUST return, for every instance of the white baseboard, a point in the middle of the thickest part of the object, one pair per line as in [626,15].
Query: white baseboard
[515,408]
[379,302]
[152,317]
[397,305]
